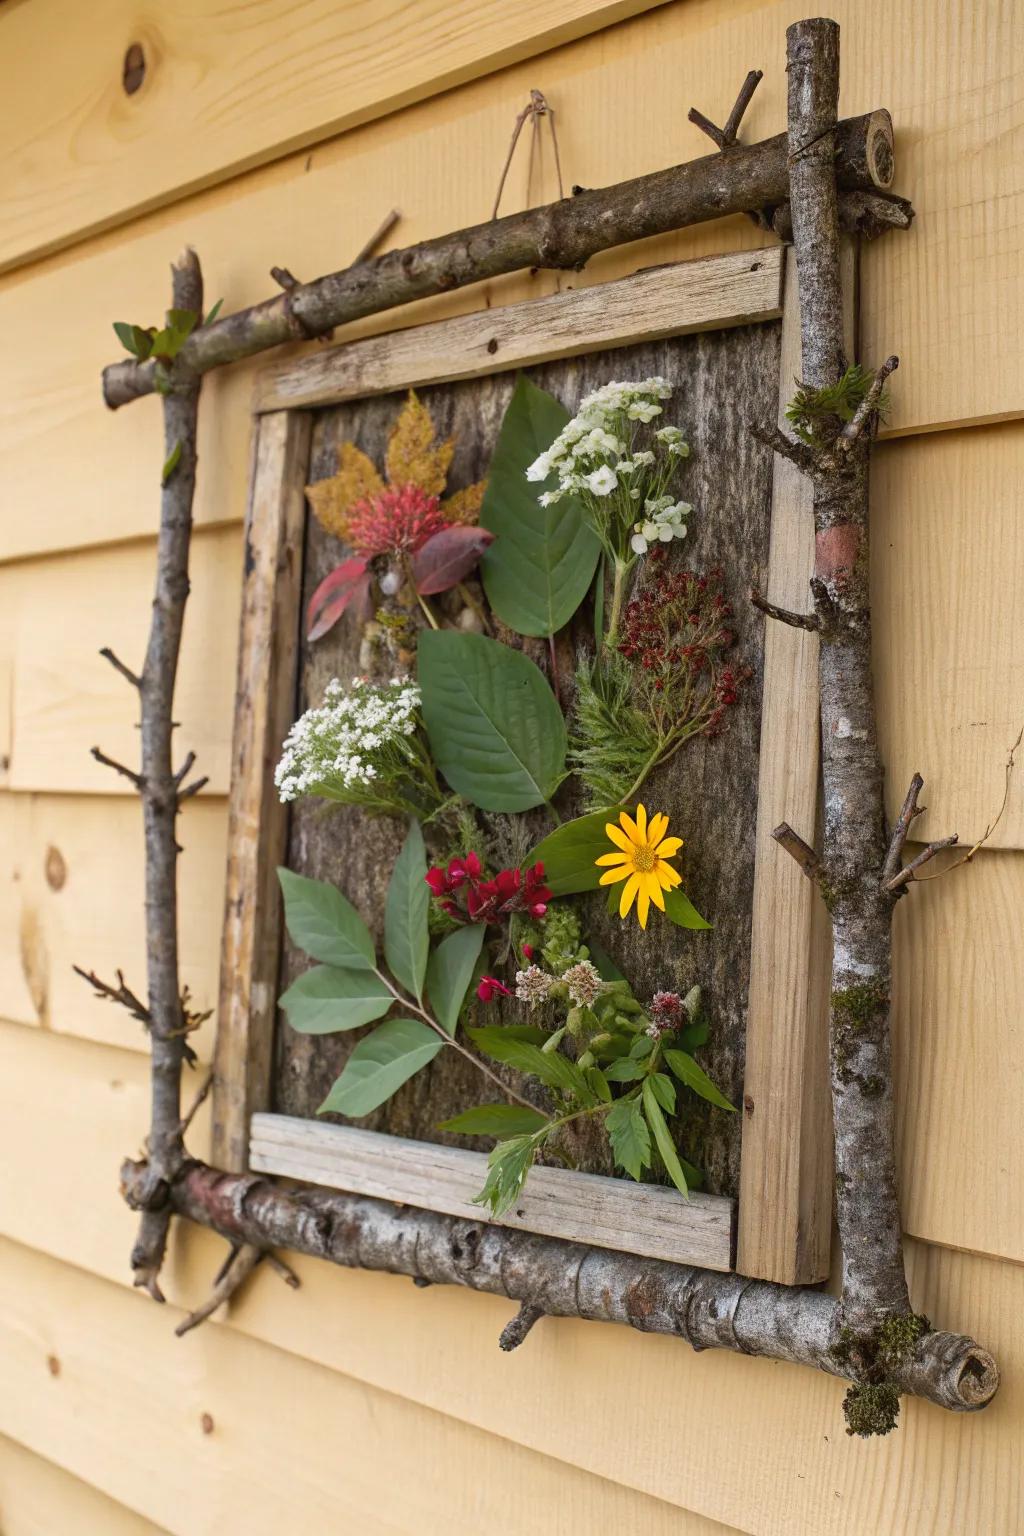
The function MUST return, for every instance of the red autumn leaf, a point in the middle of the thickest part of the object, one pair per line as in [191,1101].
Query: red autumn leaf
[448,557]
[347,583]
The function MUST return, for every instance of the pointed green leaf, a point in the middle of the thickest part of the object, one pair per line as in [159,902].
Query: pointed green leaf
[538,570]
[664,1091]
[326,999]
[553,1070]
[570,853]
[625,1070]
[406,940]
[495,728]
[325,924]
[379,1065]
[450,972]
[688,1072]
[662,1139]
[507,1168]
[630,1138]
[213,313]
[171,463]
[681,911]
[496,1120]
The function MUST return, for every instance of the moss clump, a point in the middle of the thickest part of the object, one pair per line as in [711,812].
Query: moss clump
[856,1007]
[897,1336]
[871,1408]
[842,1349]
[873,1087]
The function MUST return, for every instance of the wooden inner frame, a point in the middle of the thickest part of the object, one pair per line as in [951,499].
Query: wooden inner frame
[781,1230]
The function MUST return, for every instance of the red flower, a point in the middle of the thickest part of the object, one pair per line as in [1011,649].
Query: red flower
[490,988]
[398,519]
[461,892]
[528,951]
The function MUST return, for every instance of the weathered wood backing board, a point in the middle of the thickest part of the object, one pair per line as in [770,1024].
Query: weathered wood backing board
[723,380]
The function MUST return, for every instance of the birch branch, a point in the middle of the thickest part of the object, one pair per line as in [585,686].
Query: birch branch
[562,235]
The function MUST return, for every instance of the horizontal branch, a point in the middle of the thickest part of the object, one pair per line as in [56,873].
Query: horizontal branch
[785,615]
[926,855]
[797,849]
[864,214]
[708,1309]
[560,236]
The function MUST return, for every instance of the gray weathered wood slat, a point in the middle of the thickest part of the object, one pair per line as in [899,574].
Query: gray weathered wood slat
[648,1219]
[706,294]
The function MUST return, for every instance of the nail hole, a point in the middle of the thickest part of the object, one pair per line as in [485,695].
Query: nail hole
[134,70]
[53,1365]
[56,869]
[748,1104]
[492,345]
[206,1423]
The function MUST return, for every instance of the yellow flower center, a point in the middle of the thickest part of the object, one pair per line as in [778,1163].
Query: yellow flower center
[644,858]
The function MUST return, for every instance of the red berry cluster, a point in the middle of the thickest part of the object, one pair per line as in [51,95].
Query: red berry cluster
[676,632]
[462,892]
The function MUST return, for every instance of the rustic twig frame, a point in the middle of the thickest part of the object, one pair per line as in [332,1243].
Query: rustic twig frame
[784,1218]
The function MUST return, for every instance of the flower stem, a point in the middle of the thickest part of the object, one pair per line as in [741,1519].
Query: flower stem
[619,571]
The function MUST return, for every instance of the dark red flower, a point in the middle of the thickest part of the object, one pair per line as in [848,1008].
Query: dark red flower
[464,895]
[490,988]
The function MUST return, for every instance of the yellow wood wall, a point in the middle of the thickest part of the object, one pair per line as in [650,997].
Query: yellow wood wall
[278,133]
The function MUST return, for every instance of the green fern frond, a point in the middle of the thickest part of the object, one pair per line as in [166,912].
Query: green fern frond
[813,413]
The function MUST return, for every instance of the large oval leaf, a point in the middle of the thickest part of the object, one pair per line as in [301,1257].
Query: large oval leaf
[450,972]
[495,728]
[448,558]
[325,924]
[379,1066]
[406,940]
[538,570]
[326,999]
[570,853]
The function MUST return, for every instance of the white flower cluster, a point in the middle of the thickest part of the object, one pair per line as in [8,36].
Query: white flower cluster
[664,521]
[355,738]
[598,457]
[533,985]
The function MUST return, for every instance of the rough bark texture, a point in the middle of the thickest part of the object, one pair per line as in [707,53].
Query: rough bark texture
[565,235]
[855,845]
[160,788]
[708,1310]
[723,379]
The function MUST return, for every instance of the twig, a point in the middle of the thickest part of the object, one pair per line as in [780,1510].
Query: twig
[120,994]
[200,1098]
[808,621]
[119,666]
[725,137]
[983,839]
[515,1331]
[802,852]
[868,406]
[774,438]
[126,773]
[909,871]
[536,108]
[379,235]
[240,1266]
[282,1270]
[193,788]
[901,831]
[182,772]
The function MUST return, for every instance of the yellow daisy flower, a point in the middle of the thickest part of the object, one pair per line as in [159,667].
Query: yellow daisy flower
[641,860]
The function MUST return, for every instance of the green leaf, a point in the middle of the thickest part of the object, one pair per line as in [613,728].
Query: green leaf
[688,1072]
[625,1070]
[598,1084]
[553,1070]
[325,924]
[379,1065]
[406,939]
[681,910]
[182,322]
[538,570]
[507,1168]
[488,1035]
[630,1138]
[496,1120]
[662,1140]
[664,1091]
[570,854]
[326,999]
[450,972]
[697,1034]
[213,313]
[599,578]
[495,728]
[170,464]
[134,339]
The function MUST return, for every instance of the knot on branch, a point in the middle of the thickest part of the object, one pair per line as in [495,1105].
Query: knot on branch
[142,1187]
[514,1332]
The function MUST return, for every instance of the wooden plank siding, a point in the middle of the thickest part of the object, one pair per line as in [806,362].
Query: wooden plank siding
[402,1414]
[621,96]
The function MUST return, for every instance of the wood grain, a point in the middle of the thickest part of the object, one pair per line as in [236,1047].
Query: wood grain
[71,894]
[226,87]
[67,699]
[345,1456]
[38,1498]
[612,1213]
[785,1222]
[676,300]
[947,590]
[257,822]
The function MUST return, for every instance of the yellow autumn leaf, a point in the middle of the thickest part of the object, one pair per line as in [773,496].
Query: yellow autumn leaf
[414,458]
[464,506]
[333,499]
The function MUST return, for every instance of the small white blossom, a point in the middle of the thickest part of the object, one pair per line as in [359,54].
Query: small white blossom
[603,481]
[533,986]
[584,983]
[356,739]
